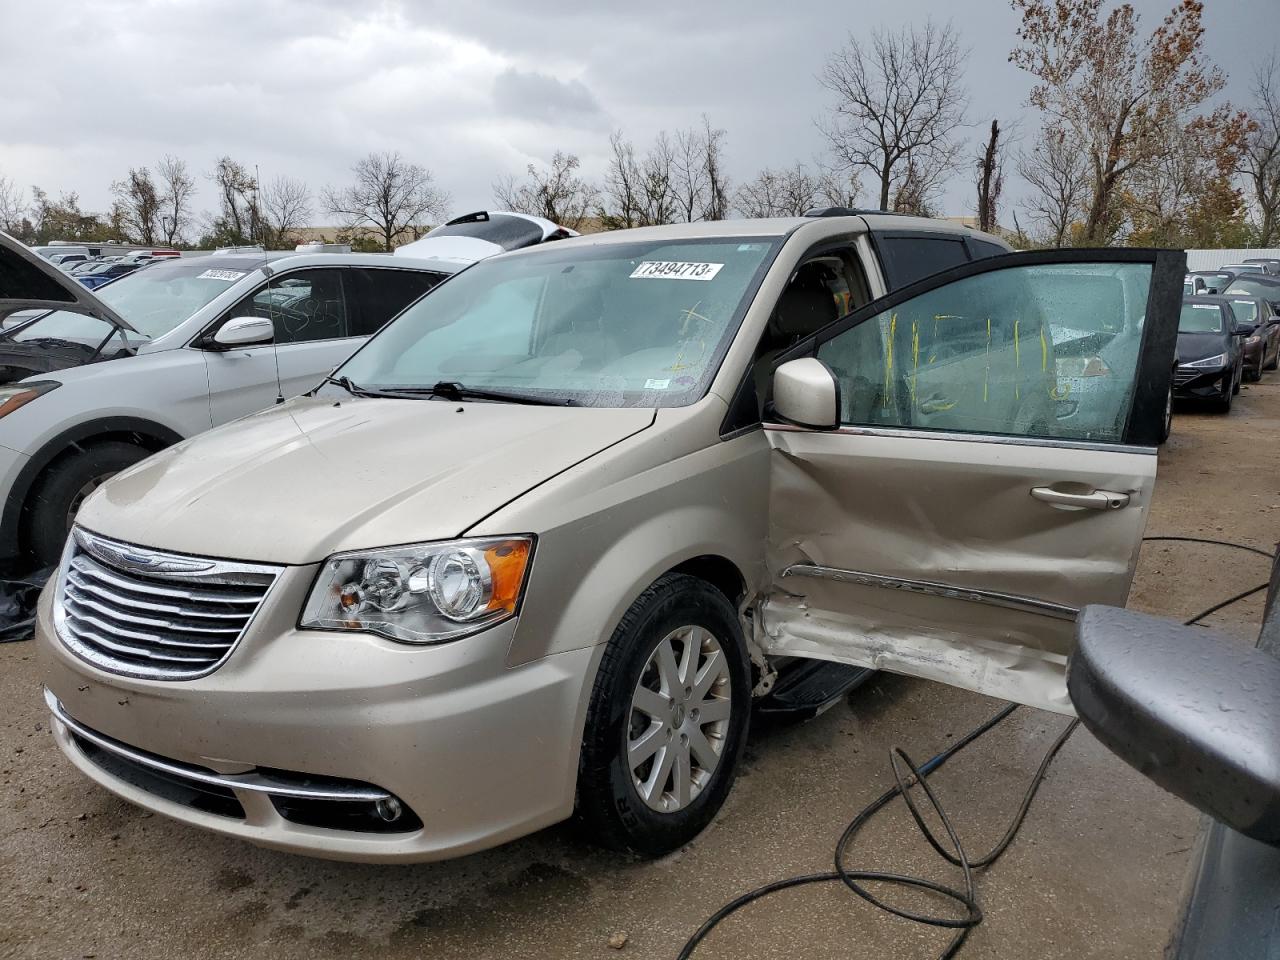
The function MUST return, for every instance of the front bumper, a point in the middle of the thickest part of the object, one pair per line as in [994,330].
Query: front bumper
[477,752]
[1201,384]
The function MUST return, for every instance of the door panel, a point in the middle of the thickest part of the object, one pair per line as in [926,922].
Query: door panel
[910,539]
[244,381]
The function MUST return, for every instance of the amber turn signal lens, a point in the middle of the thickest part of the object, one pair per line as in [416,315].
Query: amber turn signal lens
[507,563]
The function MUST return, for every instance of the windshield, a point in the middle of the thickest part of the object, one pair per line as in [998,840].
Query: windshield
[1246,268]
[154,300]
[609,325]
[1200,318]
[1255,287]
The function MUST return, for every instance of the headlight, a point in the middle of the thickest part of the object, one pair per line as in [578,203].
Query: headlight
[15,395]
[1208,363]
[1252,340]
[425,593]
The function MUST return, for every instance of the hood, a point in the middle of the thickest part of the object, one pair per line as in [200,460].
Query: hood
[30,282]
[311,477]
[1197,346]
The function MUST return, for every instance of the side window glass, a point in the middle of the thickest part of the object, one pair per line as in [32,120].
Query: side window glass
[983,248]
[908,259]
[375,295]
[1045,351]
[305,305]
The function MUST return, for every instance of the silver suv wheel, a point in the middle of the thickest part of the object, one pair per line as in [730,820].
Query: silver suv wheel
[679,719]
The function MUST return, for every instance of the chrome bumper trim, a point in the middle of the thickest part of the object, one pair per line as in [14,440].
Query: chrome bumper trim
[252,782]
[931,588]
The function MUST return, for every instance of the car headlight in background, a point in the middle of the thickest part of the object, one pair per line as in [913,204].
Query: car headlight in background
[15,395]
[424,593]
[1208,363]
[1252,340]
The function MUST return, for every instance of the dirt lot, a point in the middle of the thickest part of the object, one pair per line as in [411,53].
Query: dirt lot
[1096,871]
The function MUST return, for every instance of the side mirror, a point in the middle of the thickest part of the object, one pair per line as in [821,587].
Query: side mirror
[806,392]
[1194,712]
[244,331]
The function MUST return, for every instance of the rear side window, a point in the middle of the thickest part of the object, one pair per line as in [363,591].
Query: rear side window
[907,259]
[984,248]
[375,295]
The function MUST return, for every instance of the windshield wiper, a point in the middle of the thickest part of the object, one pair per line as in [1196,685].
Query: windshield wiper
[454,391]
[353,388]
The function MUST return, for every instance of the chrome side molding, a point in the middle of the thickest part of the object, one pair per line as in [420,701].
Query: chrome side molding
[931,588]
[252,782]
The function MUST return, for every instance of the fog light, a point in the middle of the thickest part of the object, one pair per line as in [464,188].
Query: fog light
[388,809]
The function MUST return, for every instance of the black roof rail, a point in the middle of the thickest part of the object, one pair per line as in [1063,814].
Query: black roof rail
[850,212]
[480,216]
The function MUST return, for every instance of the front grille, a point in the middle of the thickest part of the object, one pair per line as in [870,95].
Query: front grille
[145,613]
[1181,378]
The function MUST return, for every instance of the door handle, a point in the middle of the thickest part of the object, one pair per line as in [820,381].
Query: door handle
[1097,500]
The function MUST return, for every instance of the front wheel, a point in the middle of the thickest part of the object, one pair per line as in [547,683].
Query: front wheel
[56,499]
[667,719]
[1235,384]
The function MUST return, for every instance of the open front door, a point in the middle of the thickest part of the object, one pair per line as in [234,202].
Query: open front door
[991,472]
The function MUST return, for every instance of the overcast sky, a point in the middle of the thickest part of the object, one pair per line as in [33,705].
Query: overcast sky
[471,90]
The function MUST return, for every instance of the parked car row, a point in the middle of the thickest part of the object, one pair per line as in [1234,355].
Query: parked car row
[537,546]
[1228,331]
[91,383]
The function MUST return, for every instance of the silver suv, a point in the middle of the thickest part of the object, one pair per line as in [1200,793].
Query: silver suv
[538,545]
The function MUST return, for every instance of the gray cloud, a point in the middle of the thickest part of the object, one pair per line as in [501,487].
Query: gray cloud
[532,95]
[472,91]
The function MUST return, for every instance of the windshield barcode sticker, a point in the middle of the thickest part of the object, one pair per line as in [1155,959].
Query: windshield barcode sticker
[675,270]
[227,275]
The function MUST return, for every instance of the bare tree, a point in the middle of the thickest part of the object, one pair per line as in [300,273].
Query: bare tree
[177,190]
[639,191]
[990,179]
[1262,154]
[138,205]
[13,206]
[559,194]
[778,193]
[1059,173]
[916,193]
[286,206]
[717,190]
[390,195]
[236,221]
[898,99]
[838,188]
[1114,91]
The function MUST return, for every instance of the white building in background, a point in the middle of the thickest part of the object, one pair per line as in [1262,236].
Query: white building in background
[1213,259]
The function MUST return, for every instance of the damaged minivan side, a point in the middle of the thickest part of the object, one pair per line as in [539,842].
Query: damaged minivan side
[534,551]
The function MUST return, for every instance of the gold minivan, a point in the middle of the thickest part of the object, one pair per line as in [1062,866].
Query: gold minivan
[534,550]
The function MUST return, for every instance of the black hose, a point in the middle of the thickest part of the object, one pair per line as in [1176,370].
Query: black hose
[918,776]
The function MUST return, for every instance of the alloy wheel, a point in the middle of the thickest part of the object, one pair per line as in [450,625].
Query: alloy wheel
[679,719]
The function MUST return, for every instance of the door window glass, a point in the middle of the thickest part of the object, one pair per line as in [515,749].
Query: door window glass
[1038,351]
[908,259]
[378,294]
[305,305]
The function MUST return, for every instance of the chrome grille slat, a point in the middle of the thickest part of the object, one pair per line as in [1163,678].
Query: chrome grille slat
[97,589]
[146,613]
[89,567]
[75,595]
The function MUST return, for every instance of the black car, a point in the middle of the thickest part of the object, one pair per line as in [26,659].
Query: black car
[1213,281]
[1254,285]
[1210,361]
[1258,323]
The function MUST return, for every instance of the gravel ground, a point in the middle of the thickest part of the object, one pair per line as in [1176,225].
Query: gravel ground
[1096,872]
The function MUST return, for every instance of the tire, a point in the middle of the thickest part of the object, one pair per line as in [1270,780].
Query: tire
[1275,361]
[1223,403]
[612,810]
[1235,384]
[1167,429]
[1253,376]
[56,497]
